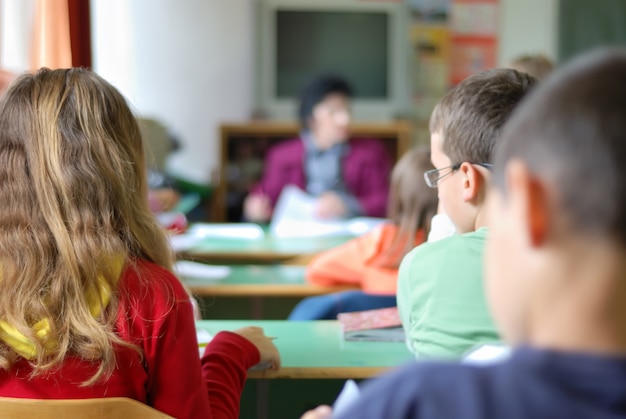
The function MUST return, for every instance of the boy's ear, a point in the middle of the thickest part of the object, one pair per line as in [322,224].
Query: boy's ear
[529,195]
[474,183]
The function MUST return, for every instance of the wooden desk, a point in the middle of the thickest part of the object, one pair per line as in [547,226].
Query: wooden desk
[266,250]
[259,281]
[316,350]
[245,142]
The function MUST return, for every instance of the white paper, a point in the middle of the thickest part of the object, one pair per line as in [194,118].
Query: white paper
[226,230]
[189,269]
[349,394]
[201,231]
[294,216]
[182,242]
[487,355]
[204,337]
[294,205]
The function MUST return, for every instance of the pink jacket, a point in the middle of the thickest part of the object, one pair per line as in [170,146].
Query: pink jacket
[366,169]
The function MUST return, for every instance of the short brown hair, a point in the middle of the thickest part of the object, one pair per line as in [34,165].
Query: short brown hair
[572,134]
[470,116]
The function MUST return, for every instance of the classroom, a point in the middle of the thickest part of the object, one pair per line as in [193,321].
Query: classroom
[291,188]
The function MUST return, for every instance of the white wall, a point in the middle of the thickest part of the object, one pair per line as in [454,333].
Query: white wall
[15,34]
[527,27]
[188,63]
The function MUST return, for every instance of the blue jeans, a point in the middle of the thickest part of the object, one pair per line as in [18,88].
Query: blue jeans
[326,307]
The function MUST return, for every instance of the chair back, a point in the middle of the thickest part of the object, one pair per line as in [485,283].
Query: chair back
[104,408]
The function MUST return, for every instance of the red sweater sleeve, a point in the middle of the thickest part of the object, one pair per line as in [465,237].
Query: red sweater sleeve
[178,383]
[225,363]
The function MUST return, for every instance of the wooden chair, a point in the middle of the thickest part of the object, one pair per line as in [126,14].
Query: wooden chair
[105,408]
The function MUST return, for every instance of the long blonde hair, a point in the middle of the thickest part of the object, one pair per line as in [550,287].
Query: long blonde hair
[74,195]
[411,205]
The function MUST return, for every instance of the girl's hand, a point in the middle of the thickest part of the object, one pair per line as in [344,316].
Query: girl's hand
[267,349]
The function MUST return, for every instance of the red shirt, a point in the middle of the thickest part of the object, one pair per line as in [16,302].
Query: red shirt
[155,313]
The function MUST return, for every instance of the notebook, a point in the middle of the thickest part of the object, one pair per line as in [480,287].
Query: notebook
[381,325]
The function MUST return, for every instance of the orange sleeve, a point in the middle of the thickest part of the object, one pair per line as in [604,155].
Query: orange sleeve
[345,264]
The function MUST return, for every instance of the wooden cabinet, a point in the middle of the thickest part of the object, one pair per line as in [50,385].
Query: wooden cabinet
[243,148]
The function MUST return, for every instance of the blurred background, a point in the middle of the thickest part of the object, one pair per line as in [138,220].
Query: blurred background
[191,65]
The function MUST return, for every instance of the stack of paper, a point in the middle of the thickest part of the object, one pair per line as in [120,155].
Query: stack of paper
[294,216]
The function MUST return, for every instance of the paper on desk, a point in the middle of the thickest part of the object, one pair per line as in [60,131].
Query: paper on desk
[204,337]
[226,231]
[199,232]
[189,269]
[294,216]
[182,242]
[349,394]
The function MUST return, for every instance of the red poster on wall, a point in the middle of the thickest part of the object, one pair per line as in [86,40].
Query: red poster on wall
[474,40]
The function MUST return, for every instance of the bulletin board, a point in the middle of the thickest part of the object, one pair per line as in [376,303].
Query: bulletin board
[474,40]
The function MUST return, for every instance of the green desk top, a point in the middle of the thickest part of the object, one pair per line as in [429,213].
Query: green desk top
[316,349]
[268,249]
[259,280]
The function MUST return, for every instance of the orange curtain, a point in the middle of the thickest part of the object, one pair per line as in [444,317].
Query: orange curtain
[51,35]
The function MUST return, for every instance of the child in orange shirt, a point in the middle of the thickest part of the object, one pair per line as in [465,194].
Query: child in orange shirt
[371,261]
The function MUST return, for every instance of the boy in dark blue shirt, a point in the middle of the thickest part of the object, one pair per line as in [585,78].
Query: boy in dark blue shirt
[555,266]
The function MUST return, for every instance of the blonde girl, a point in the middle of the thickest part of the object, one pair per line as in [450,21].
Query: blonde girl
[88,304]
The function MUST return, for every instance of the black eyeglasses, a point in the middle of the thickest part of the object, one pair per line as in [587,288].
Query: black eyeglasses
[432,177]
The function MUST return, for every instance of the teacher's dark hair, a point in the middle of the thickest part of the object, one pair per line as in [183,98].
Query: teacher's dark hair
[317,90]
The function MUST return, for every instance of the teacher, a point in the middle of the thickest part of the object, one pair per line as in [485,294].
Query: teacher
[348,176]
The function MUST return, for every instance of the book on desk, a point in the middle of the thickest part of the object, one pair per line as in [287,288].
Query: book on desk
[380,325]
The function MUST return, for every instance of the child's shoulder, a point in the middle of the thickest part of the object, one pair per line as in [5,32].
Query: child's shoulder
[451,245]
[446,258]
[444,389]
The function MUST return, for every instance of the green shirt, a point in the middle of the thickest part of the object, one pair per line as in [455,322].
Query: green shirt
[441,298]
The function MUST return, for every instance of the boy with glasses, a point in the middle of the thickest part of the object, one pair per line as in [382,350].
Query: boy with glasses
[555,268]
[440,288]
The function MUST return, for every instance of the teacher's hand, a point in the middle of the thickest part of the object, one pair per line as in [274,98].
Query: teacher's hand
[330,205]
